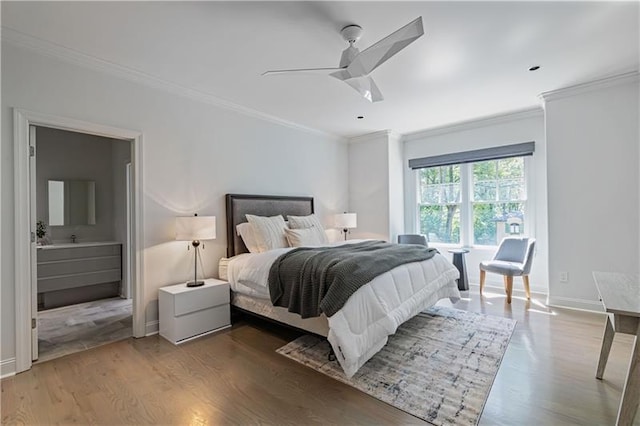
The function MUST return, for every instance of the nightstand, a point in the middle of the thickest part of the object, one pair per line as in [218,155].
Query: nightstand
[190,312]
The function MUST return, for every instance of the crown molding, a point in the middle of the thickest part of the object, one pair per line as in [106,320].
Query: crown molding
[84,60]
[474,124]
[369,136]
[601,83]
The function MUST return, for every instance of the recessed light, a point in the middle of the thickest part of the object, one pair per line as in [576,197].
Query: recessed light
[360,117]
[534,68]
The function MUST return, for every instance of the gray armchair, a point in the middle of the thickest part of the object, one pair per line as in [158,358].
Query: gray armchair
[514,258]
[412,239]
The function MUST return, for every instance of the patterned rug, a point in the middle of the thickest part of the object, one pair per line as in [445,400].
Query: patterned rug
[439,366]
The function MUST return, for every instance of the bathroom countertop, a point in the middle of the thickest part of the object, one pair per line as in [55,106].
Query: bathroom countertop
[73,245]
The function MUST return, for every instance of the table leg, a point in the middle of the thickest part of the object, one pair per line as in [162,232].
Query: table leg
[458,262]
[607,340]
[631,390]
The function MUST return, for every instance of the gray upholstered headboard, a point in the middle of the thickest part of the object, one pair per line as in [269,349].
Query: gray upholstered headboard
[239,205]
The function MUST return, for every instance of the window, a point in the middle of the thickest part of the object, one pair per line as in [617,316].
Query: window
[474,203]
[439,208]
[498,201]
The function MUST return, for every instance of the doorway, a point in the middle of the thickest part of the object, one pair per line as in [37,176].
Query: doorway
[25,145]
[82,246]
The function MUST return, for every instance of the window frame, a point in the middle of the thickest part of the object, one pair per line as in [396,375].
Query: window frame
[466,204]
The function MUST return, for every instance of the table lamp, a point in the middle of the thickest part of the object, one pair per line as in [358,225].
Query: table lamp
[195,228]
[346,221]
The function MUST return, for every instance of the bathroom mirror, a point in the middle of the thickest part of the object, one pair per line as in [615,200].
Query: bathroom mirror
[72,202]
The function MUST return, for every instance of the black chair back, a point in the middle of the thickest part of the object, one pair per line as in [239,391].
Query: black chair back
[412,239]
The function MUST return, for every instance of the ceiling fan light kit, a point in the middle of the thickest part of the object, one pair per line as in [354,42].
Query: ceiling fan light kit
[355,66]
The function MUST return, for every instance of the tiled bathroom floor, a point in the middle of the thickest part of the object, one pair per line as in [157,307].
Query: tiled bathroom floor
[75,328]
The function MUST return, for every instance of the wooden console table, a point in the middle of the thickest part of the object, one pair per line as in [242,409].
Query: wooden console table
[620,295]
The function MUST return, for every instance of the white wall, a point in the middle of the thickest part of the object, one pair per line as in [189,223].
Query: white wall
[193,154]
[396,187]
[369,186]
[502,130]
[376,185]
[63,155]
[592,162]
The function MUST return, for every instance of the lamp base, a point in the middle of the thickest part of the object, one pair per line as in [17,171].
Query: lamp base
[195,283]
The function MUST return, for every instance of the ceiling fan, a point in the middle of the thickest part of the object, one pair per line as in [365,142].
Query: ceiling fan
[355,66]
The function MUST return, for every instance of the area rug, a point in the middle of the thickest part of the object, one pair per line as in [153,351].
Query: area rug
[439,366]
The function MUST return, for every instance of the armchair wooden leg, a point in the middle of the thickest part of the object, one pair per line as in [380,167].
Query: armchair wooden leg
[527,291]
[509,281]
[482,276]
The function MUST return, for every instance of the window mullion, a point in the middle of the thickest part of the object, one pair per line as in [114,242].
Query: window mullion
[466,225]
[418,195]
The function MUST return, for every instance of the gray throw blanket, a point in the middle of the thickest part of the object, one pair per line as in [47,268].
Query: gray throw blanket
[312,280]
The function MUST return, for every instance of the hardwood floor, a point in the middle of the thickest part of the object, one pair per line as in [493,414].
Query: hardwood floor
[235,377]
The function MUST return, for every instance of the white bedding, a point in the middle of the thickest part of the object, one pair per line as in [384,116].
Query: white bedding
[373,312]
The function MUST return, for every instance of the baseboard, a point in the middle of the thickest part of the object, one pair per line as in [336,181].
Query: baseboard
[579,304]
[152,327]
[500,289]
[7,368]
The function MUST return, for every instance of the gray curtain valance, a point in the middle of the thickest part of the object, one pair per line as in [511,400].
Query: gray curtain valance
[496,153]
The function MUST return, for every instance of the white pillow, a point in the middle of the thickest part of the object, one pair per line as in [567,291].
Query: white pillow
[309,222]
[303,237]
[245,230]
[269,231]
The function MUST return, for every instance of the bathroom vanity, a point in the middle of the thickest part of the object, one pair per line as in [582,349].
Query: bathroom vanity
[78,272]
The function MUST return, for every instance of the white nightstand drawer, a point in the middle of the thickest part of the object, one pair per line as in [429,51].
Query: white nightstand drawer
[196,323]
[206,297]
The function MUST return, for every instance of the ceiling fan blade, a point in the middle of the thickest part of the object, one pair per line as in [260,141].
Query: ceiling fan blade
[302,71]
[372,57]
[366,87]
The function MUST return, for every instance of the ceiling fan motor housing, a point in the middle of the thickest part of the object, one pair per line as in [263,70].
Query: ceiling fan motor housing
[351,33]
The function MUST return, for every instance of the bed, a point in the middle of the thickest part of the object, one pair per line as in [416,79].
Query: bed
[361,327]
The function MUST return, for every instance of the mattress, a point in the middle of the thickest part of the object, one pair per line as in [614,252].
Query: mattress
[223,265]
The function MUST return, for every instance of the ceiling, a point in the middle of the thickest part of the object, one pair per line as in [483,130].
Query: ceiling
[472,62]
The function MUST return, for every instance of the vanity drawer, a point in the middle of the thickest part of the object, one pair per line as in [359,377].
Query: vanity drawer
[50,254]
[62,282]
[78,266]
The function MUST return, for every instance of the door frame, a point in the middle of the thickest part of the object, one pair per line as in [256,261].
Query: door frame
[23,186]
[126,293]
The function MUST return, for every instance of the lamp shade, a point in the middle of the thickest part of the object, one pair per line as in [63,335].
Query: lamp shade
[346,220]
[189,228]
